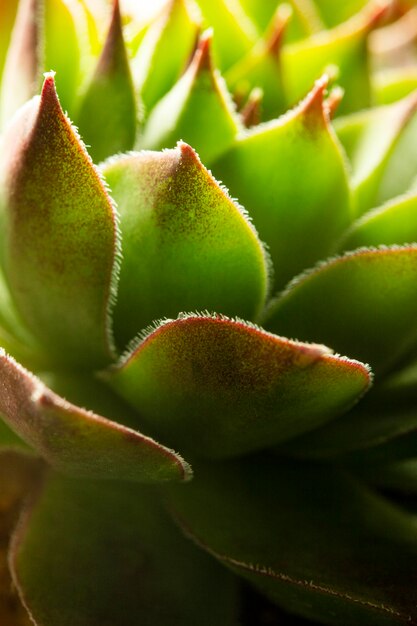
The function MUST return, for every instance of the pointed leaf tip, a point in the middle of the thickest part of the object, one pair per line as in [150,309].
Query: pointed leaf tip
[176,217]
[60,235]
[79,442]
[202,59]
[279,25]
[313,104]
[112,84]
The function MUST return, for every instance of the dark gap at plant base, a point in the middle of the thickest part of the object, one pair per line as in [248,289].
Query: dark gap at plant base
[256,610]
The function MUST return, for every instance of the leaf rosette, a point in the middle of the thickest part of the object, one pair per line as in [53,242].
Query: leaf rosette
[256,335]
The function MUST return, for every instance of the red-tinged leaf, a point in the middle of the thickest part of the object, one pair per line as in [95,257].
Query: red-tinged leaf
[363,303]
[60,235]
[224,388]
[310,537]
[108,113]
[79,442]
[344,46]
[186,245]
[300,146]
[99,553]
[162,55]
[261,67]
[198,110]
[376,143]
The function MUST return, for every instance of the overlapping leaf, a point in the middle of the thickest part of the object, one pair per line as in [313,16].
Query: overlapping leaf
[60,235]
[186,244]
[109,101]
[77,441]
[352,304]
[197,110]
[299,146]
[329,549]
[224,388]
[128,565]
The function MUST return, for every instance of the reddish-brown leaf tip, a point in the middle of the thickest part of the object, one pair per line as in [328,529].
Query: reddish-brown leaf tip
[312,108]
[202,59]
[277,29]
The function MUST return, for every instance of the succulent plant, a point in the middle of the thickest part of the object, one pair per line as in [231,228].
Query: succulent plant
[155,329]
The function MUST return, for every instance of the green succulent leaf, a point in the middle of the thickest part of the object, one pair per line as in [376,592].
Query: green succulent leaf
[336,13]
[21,73]
[129,565]
[198,110]
[36,46]
[299,146]
[63,16]
[186,244]
[314,540]
[234,32]
[109,102]
[261,67]
[60,234]
[394,223]
[363,303]
[379,144]
[388,86]
[344,47]
[79,442]
[370,434]
[162,55]
[224,388]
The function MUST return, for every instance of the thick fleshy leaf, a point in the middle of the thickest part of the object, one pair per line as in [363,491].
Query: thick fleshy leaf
[198,110]
[234,31]
[300,146]
[315,541]
[36,46]
[107,115]
[76,441]
[363,304]
[261,67]
[336,12]
[395,223]
[18,475]
[390,86]
[345,47]
[89,554]
[186,245]
[370,434]
[305,18]
[224,388]
[60,234]
[64,16]
[163,55]
[22,67]
[379,144]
